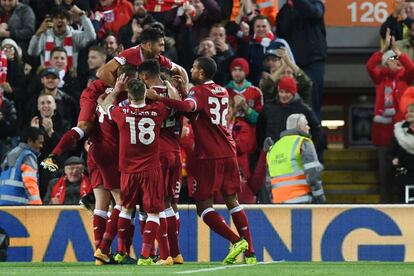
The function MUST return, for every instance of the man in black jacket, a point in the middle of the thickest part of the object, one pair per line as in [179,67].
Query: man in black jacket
[301,23]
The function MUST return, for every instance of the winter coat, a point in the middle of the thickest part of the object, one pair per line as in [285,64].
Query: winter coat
[403,146]
[384,79]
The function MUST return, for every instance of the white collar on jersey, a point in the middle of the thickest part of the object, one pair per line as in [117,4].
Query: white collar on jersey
[209,82]
[137,105]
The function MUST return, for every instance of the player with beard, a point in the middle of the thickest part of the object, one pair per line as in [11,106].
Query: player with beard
[217,169]
[167,237]
[151,46]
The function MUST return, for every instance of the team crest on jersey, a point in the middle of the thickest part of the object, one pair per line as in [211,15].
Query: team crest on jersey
[121,60]
[250,102]
[109,90]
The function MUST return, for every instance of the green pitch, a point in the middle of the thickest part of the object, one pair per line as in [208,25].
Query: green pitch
[276,268]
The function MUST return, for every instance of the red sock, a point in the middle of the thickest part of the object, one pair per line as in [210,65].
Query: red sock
[124,225]
[99,222]
[148,238]
[172,232]
[162,238]
[130,237]
[111,226]
[218,225]
[240,221]
[142,222]
[68,141]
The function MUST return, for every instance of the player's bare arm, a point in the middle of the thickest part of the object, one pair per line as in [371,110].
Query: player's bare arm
[107,73]
[120,86]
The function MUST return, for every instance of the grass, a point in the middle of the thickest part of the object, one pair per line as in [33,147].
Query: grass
[276,268]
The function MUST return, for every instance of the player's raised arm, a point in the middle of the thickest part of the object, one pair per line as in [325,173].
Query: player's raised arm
[107,73]
[180,71]
[119,87]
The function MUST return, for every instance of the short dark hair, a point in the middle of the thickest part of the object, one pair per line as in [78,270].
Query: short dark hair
[150,67]
[128,69]
[31,133]
[101,50]
[60,11]
[151,35]
[58,49]
[136,89]
[208,65]
[260,17]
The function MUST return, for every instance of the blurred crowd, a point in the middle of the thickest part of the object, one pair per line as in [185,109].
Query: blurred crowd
[52,49]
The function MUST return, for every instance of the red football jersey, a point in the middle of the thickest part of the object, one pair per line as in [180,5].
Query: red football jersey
[134,56]
[88,100]
[212,137]
[169,139]
[139,130]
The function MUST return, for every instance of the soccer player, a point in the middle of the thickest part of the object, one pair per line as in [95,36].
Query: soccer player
[104,173]
[141,176]
[216,167]
[167,237]
[151,46]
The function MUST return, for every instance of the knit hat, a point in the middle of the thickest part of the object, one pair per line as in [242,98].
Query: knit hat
[386,56]
[287,83]
[73,160]
[242,63]
[9,41]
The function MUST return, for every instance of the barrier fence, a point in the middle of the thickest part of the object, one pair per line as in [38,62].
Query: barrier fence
[291,233]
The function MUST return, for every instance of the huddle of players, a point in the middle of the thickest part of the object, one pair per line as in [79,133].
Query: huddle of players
[135,133]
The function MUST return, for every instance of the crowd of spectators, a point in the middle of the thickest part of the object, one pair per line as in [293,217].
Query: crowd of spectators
[52,49]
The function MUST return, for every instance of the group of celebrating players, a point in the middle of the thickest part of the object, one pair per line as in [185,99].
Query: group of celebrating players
[133,118]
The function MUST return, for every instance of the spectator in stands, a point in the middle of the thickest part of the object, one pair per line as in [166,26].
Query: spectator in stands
[254,47]
[96,58]
[71,186]
[17,21]
[218,35]
[129,33]
[248,103]
[406,45]
[301,23]
[207,48]
[21,188]
[68,81]
[271,122]
[65,104]
[295,179]
[53,125]
[8,124]
[399,22]
[15,86]
[280,65]
[61,35]
[196,16]
[112,15]
[402,149]
[391,79]
[111,45]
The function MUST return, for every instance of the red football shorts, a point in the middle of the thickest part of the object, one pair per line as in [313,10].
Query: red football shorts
[101,171]
[171,168]
[216,176]
[145,188]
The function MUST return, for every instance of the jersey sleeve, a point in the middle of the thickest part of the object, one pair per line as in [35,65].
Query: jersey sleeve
[195,98]
[125,55]
[166,62]
[114,113]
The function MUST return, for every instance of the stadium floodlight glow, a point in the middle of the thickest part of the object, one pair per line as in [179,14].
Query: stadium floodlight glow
[333,124]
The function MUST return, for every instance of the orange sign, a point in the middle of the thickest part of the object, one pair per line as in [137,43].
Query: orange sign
[357,13]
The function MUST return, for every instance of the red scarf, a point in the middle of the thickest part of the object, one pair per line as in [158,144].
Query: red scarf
[50,44]
[59,190]
[162,5]
[3,74]
[265,41]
